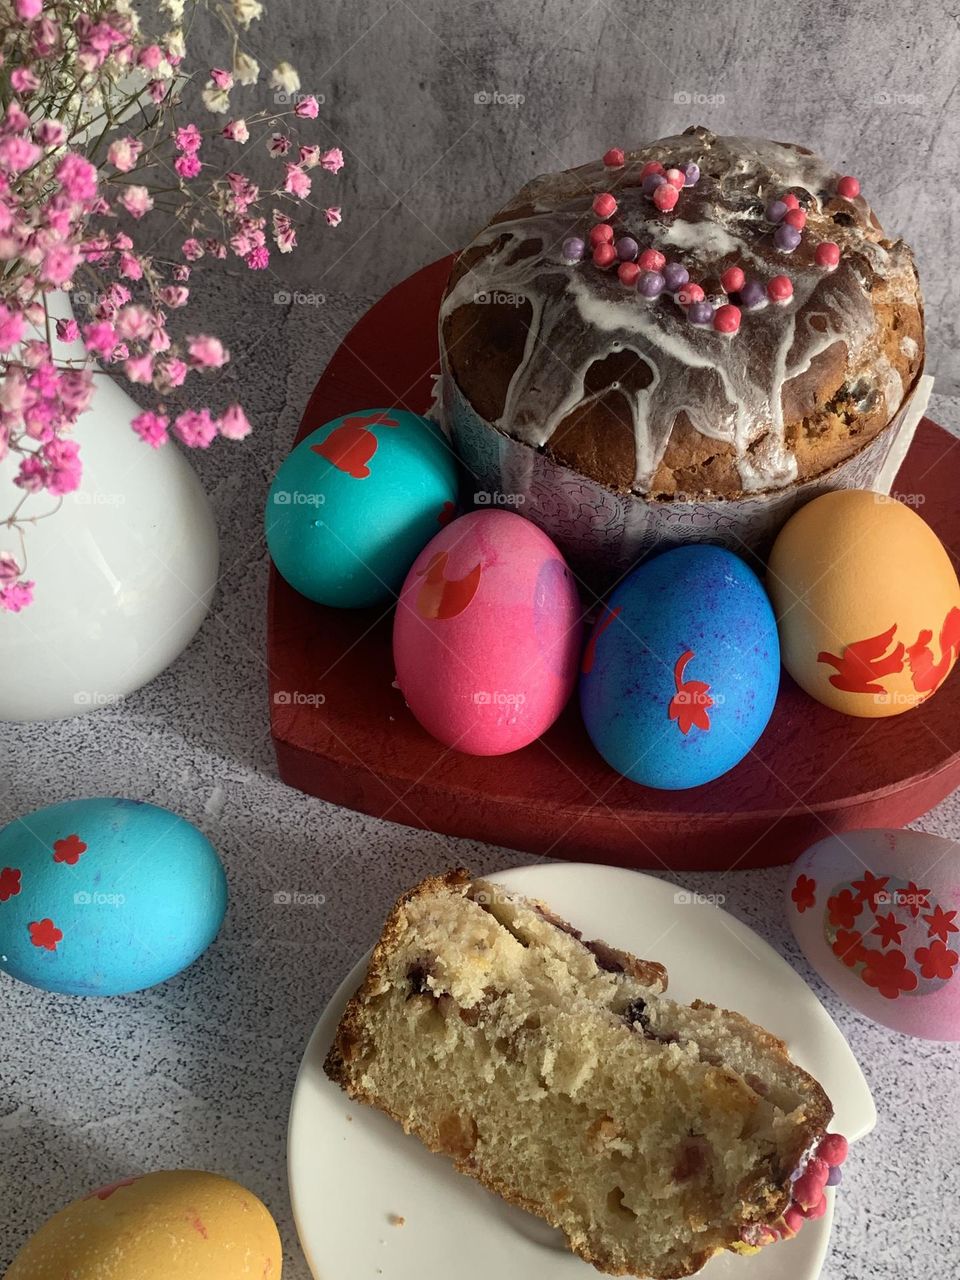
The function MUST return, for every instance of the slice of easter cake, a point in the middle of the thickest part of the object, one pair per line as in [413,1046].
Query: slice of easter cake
[556,1072]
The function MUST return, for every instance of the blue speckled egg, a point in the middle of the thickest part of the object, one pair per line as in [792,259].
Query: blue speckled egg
[101,897]
[680,674]
[355,503]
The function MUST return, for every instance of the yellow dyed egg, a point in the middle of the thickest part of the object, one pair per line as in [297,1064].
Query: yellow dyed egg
[867,603]
[181,1225]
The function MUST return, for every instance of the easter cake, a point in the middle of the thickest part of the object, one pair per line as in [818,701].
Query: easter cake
[704,320]
[555,1071]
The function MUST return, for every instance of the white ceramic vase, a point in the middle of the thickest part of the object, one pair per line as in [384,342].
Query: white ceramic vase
[124,570]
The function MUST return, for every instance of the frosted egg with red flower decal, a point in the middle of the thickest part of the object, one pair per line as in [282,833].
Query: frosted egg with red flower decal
[100,897]
[877,914]
[487,634]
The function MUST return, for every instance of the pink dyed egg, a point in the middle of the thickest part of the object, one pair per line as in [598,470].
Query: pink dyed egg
[487,634]
[877,914]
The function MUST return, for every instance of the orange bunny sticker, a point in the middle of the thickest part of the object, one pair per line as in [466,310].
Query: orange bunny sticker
[351,446]
[442,597]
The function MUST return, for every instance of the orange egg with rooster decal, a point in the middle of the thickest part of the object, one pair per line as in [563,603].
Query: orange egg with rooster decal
[867,603]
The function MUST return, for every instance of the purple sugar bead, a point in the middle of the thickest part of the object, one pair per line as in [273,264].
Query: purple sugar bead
[836,1177]
[786,237]
[627,249]
[700,313]
[691,173]
[573,249]
[650,284]
[752,294]
[675,276]
[776,210]
[651,182]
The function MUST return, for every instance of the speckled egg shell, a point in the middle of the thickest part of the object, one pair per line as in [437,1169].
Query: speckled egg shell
[487,634]
[353,504]
[680,674]
[101,897]
[181,1225]
[867,602]
[877,914]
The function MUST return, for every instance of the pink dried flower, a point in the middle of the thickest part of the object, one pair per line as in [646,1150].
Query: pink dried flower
[257,259]
[309,157]
[68,330]
[134,323]
[140,369]
[18,154]
[236,131]
[307,108]
[78,177]
[65,470]
[27,10]
[172,374]
[175,295]
[151,428]
[59,263]
[187,165]
[188,139]
[23,81]
[297,183]
[222,79]
[207,352]
[32,474]
[333,216]
[279,144]
[137,201]
[332,160]
[17,596]
[150,57]
[50,133]
[124,153]
[130,267]
[195,428]
[192,249]
[100,338]
[234,424]
[9,569]
[11,328]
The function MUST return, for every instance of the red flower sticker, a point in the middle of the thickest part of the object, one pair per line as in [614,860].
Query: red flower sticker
[848,947]
[941,924]
[691,703]
[869,887]
[9,883]
[804,893]
[844,909]
[914,898]
[888,929]
[936,961]
[887,971]
[447,512]
[68,850]
[105,1193]
[44,933]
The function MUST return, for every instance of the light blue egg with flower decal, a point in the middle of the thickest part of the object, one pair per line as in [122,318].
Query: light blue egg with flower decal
[100,897]
[356,501]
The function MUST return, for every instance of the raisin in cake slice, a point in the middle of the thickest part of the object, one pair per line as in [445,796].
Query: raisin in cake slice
[556,1072]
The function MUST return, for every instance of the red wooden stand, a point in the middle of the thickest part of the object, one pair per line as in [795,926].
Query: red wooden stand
[814,771]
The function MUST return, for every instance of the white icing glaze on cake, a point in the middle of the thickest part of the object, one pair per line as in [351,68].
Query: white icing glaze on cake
[729,388]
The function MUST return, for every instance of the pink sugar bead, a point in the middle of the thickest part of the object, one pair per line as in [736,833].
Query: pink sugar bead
[651,260]
[808,1191]
[604,255]
[614,158]
[790,200]
[628,273]
[726,319]
[816,1211]
[602,233]
[690,293]
[818,1169]
[848,187]
[733,279]
[604,205]
[793,1219]
[834,1149]
[795,218]
[676,178]
[827,255]
[780,289]
[665,197]
[652,166]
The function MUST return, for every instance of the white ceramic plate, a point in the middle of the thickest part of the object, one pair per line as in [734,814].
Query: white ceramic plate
[351,1169]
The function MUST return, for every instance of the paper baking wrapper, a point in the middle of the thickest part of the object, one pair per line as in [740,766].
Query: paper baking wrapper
[603,533]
